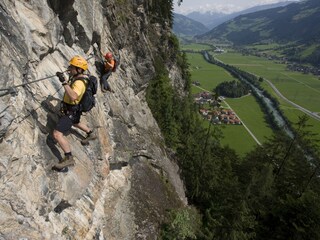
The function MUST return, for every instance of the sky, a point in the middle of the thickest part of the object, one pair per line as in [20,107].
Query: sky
[221,6]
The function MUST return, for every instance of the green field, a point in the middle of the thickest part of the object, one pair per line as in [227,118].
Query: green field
[270,49]
[248,109]
[235,136]
[265,46]
[208,75]
[250,113]
[303,89]
[195,47]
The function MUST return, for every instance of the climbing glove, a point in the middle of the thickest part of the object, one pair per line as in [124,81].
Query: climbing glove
[61,77]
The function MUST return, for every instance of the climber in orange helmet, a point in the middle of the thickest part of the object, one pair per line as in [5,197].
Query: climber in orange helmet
[108,67]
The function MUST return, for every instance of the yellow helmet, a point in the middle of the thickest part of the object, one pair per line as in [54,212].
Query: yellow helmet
[79,62]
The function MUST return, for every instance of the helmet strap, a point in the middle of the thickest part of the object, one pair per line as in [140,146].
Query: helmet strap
[79,70]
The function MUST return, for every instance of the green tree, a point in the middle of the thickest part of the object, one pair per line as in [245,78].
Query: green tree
[160,99]
[181,224]
[275,186]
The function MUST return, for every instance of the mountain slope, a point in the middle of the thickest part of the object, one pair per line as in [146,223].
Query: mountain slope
[207,18]
[297,22]
[185,26]
[213,19]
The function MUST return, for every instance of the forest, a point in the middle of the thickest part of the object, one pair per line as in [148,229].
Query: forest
[232,89]
[271,193]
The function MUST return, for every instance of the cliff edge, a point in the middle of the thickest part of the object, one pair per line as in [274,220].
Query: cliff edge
[122,183]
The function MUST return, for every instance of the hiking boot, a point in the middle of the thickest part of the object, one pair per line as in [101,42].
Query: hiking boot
[103,90]
[110,89]
[107,89]
[90,136]
[65,162]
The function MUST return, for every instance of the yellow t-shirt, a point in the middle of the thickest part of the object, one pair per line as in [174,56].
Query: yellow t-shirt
[79,87]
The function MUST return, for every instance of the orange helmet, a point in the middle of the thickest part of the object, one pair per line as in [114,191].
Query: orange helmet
[108,55]
[79,62]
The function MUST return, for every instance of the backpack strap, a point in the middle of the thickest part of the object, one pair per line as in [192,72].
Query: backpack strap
[84,79]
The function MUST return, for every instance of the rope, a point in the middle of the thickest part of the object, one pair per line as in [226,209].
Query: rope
[24,84]
[10,89]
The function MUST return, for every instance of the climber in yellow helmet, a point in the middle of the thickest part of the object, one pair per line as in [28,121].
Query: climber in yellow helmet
[71,112]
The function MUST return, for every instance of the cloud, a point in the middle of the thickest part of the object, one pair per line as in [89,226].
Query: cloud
[220,6]
[217,8]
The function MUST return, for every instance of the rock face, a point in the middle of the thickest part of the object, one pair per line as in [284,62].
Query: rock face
[123,182]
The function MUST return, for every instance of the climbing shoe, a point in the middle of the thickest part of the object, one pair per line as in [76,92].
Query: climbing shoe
[65,162]
[108,89]
[90,136]
[103,90]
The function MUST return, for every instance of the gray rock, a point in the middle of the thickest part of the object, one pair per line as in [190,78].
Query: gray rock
[116,188]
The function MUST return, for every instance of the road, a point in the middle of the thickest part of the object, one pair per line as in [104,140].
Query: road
[306,111]
[245,126]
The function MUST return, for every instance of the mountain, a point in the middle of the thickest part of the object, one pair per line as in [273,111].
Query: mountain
[207,18]
[196,23]
[124,182]
[296,22]
[183,25]
[213,19]
[297,25]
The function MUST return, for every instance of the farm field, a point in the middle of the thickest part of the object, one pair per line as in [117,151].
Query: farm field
[248,109]
[235,136]
[303,89]
[195,47]
[208,75]
[292,112]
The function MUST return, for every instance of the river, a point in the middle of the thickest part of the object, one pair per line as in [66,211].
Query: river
[279,120]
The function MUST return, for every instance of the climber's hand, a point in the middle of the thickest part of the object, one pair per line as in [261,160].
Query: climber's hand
[61,77]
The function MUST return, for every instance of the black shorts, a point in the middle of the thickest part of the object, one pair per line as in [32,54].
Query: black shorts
[66,121]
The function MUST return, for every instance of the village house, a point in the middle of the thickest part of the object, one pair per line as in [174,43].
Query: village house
[224,111]
[215,115]
[215,120]
[237,121]
[203,97]
[204,112]
[219,50]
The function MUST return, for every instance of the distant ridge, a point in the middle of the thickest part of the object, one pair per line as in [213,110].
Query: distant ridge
[296,23]
[184,26]
[213,19]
